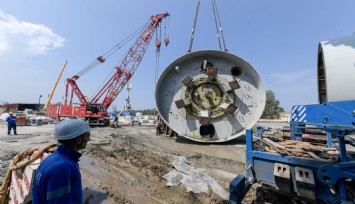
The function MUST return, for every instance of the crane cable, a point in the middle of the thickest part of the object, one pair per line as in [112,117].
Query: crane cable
[166,34]
[217,22]
[194,26]
[166,41]
[111,51]
[157,58]
[157,67]
[214,4]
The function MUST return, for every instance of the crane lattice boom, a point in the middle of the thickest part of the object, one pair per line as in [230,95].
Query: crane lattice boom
[124,71]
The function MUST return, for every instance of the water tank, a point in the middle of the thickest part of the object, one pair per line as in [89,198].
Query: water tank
[336,69]
[210,96]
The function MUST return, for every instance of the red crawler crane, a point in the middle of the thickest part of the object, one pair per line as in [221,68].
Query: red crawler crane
[92,110]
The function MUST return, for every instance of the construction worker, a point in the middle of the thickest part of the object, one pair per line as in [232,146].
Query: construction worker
[11,123]
[157,124]
[115,122]
[58,178]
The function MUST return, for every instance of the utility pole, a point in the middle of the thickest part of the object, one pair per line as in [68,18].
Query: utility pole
[39,103]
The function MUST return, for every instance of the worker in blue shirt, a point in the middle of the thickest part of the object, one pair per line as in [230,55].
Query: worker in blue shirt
[11,123]
[58,178]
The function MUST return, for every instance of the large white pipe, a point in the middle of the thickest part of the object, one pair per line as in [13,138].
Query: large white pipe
[336,69]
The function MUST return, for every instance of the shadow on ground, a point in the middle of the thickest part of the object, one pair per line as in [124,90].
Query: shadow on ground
[91,196]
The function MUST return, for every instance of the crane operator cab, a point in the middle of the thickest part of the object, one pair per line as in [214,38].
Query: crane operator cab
[95,109]
[98,114]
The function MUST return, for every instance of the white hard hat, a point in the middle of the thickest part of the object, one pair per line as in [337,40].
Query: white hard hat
[70,129]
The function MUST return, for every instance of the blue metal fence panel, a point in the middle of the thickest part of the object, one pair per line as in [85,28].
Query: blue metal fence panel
[335,113]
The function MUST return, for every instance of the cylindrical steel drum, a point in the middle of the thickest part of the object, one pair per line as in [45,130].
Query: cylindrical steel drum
[336,69]
[210,96]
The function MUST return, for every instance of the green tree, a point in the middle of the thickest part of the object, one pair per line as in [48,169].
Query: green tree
[272,107]
[145,111]
[149,111]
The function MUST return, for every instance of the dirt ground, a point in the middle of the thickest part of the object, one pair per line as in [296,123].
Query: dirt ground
[127,164]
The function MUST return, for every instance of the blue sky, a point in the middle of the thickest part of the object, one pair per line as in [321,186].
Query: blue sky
[278,38]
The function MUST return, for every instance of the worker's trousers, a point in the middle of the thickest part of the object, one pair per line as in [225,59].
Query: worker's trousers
[157,130]
[11,126]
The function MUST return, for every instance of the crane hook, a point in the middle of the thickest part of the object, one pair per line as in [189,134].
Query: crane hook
[158,44]
[166,41]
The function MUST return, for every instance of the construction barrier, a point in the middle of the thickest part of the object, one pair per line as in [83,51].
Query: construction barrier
[21,120]
[17,185]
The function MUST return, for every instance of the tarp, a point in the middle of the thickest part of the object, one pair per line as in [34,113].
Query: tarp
[195,180]
[128,114]
[112,115]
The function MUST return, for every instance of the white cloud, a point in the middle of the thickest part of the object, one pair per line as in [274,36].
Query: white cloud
[289,77]
[25,38]
[294,88]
